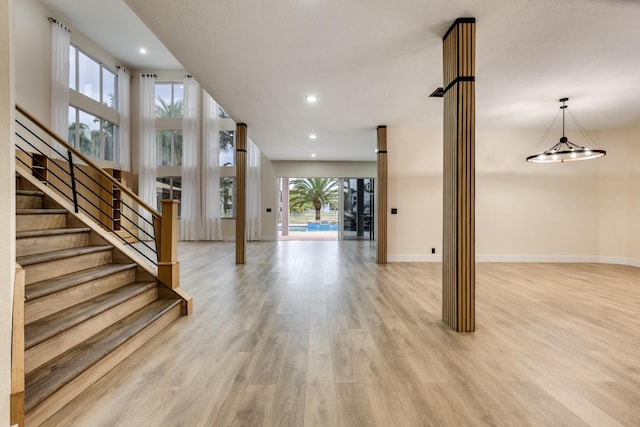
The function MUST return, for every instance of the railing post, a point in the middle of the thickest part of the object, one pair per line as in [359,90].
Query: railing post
[17,351]
[73,182]
[168,266]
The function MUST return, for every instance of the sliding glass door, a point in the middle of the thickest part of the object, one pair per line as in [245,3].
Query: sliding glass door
[358,207]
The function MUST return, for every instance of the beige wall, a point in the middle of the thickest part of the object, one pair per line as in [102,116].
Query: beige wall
[308,169]
[414,187]
[581,211]
[619,196]
[269,199]
[33,58]
[7,194]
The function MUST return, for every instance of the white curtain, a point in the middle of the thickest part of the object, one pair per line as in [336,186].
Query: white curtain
[124,147]
[254,224]
[191,225]
[60,41]
[211,170]
[147,148]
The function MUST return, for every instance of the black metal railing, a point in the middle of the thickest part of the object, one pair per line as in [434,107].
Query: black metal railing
[57,164]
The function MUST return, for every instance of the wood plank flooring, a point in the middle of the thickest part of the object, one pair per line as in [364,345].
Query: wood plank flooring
[315,333]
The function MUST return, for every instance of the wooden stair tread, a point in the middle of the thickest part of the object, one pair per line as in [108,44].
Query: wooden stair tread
[50,286]
[52,376]
[40,211]
[51,232]
[56,323]
[27,260]
[29,193]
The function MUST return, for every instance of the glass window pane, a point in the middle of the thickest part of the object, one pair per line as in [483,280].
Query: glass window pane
[163,190]
[163,147]
[177,148]
[89,73]
[72,126]
[108,88]
[227,195]
[109,131]
[89,134]
[178,99]
[72,67]
[226,142]
[163,100]
[222,114]
[168,187]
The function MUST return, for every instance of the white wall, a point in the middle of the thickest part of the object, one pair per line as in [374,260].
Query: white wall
[7,194]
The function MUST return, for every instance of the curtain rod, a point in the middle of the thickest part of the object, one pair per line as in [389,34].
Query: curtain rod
[55,21]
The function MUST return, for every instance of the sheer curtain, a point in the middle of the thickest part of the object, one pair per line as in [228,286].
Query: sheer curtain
[147,147]
[60,41]
[254,223]
[211,170]
[191,226]
[124,130]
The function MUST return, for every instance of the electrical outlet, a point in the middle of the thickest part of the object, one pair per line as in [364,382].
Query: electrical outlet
[433,250]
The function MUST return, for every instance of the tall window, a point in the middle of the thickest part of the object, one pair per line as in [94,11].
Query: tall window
[169,99]
[169,102]
[92,135]
[91,78]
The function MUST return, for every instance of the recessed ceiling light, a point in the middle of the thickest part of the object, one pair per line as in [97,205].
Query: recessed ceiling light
[143,51]
[313,136]
[312,98]
[313,154]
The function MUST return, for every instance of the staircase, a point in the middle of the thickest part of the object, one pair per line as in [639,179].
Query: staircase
[87,305]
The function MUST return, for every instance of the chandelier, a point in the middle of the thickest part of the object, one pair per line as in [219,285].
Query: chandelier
[565,150]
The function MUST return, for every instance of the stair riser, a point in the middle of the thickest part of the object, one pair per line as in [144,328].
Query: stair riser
[67,393]
[28,202]
[40,221]
[41,244]
[48,270]
[41,307]
[53,347]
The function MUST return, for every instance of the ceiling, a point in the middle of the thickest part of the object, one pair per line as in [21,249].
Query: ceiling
[374,62]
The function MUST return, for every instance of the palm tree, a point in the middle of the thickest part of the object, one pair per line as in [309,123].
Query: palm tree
[313,192]
[165,109]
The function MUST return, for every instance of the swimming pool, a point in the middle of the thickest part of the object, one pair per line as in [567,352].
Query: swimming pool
[311,227]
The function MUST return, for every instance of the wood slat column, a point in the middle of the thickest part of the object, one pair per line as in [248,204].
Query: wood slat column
[381,256]
[458,255]
[241,191]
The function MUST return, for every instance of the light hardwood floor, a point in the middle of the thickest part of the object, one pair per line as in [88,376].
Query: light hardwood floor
[315,333]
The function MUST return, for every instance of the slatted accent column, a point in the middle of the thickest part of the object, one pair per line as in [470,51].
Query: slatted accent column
[458,263]
[241,191]
[381,256]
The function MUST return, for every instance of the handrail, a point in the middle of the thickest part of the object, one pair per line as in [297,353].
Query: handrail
[89,184]
[86,160]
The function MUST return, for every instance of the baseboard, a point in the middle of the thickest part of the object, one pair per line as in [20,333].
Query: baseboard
[525,258]
[619,260]
[414,258]
[539,258]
